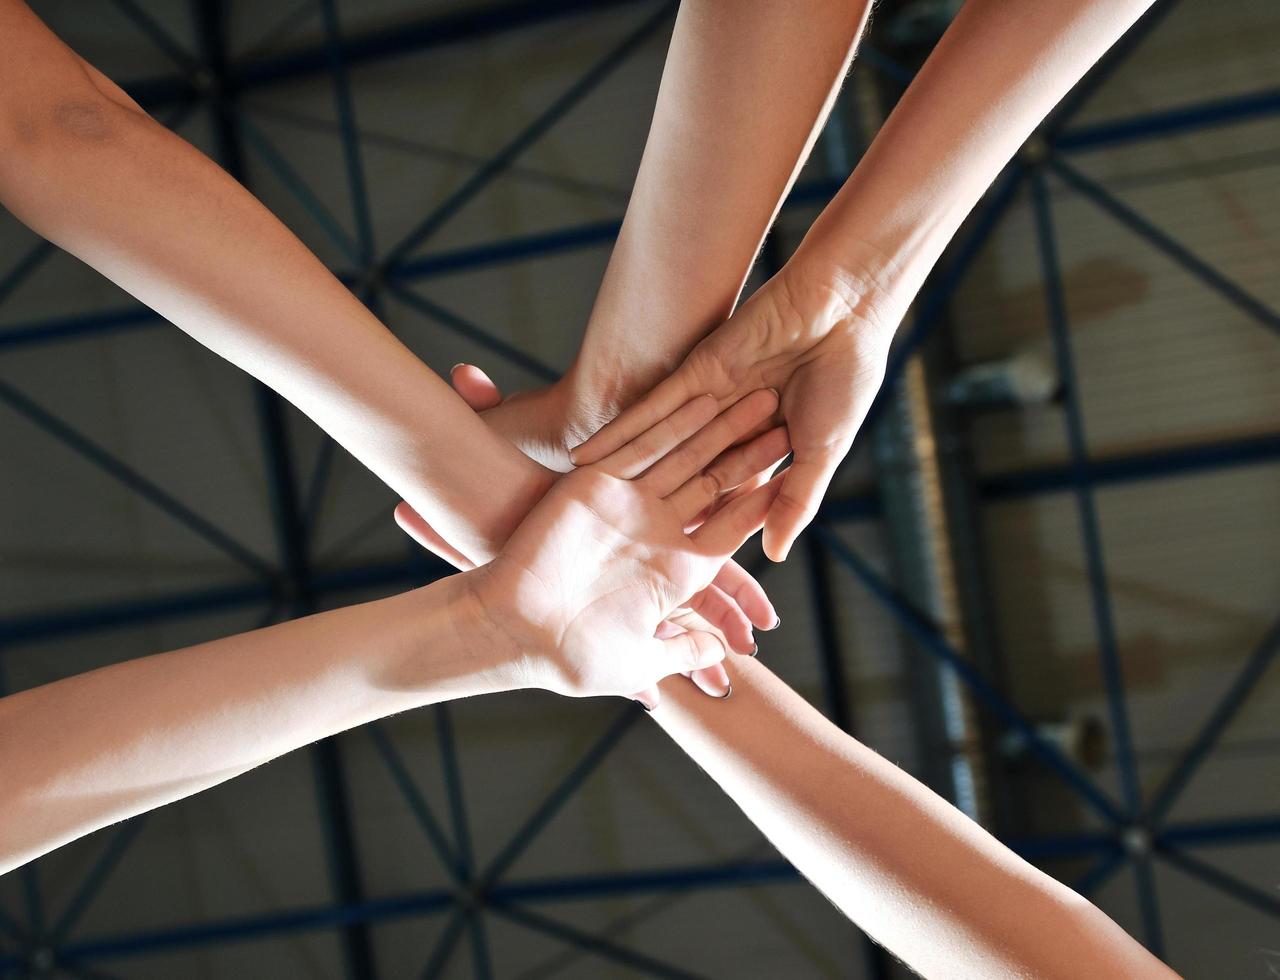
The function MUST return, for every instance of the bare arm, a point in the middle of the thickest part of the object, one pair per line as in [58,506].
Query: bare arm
[745,89]
[83,752]
[911,870]
[86,168]
[914,872]
[820,330]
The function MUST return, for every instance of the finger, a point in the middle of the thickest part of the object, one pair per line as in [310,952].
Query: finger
[726,529]
[694,650]
[749,596]
[648,698]
[713,681]
[476,388]
[413,524]
[732,468]
[667,628]
[805,481]
[698,452]
[664,400]
[669,432]
[720,611]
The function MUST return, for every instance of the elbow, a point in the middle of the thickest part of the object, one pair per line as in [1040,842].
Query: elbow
[81,117]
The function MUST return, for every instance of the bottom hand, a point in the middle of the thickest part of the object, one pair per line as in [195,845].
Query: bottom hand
[581,593]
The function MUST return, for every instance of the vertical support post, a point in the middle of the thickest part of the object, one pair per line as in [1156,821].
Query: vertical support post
[1104,623]
[286,506]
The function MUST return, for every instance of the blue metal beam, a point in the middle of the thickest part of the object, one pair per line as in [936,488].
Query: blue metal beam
[533,132]
[932,639]
[25,267]
[604,948]
[1189,763]
[271,924]
[1216,833]
[78,325]
[554,800]
[1073,411]
[477,335]
[414,36]
[154,31]
[345,105]
[445,944]
[125,474]
[736,875]
[456,793]
[1230,290]
[117,845]
[1206,457]
[1095,562]
[1256,898]
[418,805]
[299,189]
[1104,868]
[1235,109]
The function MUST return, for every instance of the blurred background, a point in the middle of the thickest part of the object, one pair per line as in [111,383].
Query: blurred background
[1046,584]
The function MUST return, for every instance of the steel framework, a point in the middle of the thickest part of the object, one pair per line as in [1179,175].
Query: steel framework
[1137,833]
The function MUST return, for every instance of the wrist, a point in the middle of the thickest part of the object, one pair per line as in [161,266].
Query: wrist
[452,644]
[855,294]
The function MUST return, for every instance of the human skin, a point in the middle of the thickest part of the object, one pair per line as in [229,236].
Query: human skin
[85,167]
[571,604]
[915,873]
[820,330]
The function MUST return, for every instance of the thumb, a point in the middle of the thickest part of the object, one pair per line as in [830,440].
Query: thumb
[476,388]
[415,525]
[689,651]
[727,529]
[805,481]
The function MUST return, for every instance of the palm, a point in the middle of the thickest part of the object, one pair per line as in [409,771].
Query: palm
[596,568]
[825,359]
[599,564]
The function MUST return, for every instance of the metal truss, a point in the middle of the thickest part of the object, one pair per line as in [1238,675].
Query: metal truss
[1137,833]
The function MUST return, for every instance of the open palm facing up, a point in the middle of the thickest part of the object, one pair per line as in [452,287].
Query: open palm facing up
[823,349]
[588,583]
[732,603]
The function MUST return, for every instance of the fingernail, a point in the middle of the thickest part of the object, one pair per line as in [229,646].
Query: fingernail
[755,652]
[456,366]
[643,705]
[728,691]
[777,621]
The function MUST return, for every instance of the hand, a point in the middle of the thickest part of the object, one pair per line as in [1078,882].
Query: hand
[582,590]
[814,339]
[733,603]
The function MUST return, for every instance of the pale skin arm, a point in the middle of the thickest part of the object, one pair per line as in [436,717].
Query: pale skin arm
[916,874]
[746,87]
[86,168]
[857,826]
[820,330]
[571,604]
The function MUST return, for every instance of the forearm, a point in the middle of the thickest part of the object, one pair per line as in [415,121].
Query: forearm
[744,92]
[996,73]
[910,869]
[96,748]
[154,215]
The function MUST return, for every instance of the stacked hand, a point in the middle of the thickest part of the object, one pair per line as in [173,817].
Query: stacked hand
[816,339]
[584,594]
[732,603]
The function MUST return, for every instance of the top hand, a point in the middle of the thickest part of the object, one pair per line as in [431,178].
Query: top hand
[539,421]
[581,590]
[816,341]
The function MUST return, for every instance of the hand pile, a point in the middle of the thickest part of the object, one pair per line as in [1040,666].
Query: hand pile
[663,466]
